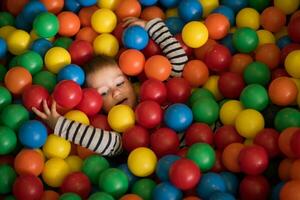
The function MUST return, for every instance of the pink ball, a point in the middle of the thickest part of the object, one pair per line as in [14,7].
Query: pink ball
[155,90]
[178,90]
[81,52]
[91,102]
[148,114]
[135,137]
[198,132]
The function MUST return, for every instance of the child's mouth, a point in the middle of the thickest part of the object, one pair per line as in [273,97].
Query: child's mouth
[122,101]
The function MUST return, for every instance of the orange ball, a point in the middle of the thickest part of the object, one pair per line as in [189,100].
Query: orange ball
[294,172]
[283,91]
[195,72]
[284,169]
[17,79]
[128,8]
[131,197]
[152,12]
[87,34]
[84,152]
[217,25]
[50,195]
[284,141]
[158,67]
[272,19]
[230,156]
[239,62]
[201,51]
[268,54]
[191,198]
[132,62]
[54,6]
[85,15]
[290,190]
[15,6]
[69,23]
[29,161]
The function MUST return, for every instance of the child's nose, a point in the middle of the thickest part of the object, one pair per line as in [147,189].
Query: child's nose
[116,92]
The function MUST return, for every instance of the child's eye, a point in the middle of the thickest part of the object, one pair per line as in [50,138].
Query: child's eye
[103,93]
[119,84]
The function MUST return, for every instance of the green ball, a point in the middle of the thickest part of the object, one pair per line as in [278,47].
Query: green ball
[113,181]
[69,196]
[46,25]
[9,198]
[8,140]
[7,178]
[13,62]
[255,96]
[259,5]
[203,155]
[45,79]
[6,18]
[245,40]
[143,188]
[199,93]
[257,72]
[100,195]
[13,116]
[93,166]
[3,71]
[63,42]
[287,117]
[31,61]
[205,110]
[5,97]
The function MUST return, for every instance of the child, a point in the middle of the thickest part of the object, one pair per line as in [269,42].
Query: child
[103,74]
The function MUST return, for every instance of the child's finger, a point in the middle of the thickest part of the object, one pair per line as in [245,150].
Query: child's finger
[39,113]
[53,108]
[46,108]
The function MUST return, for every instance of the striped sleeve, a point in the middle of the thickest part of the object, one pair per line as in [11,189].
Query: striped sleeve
[107,143]
[171,48]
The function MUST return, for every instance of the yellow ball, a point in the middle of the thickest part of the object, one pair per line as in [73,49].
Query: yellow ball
[208,6]
[212,85]
[104,20]
[248,17]
[287,6]
[142,161]
[75,163]
[194,34]
[18,42]
[171,12]
[265,37]
[78,116]
[106,44]
[56,58]
[54,172]
[110,4]
[121,117]
[56,147]
[249,122]
[229,111]
[5,31]
[292,63]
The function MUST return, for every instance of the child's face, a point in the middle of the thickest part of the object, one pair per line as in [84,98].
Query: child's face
[113,86]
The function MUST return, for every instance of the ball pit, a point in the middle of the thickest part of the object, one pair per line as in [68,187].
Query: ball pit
[228,128]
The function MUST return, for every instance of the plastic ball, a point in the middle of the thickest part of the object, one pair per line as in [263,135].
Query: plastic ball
[239,62]
[106,44]
[268,138]
[218,58]
[46,25]
[28,187]
[231,84]
[175,24]
[205,110]
[103,20]
[287,117]
[3,46]
[254,96]
[121,117]
[247,190]
[63,42]
[69,196]
[6,18]
[151,49]
[158,67]
[33,97]
[71,72]
[29,162]
[85,14]
[248,17]
[33,134]
[128,8]
[231,182]
[169,3]
[148,114]
[77,116]
[153,89]
[131,178]
[31,61]
[143,188]
[283,42]
[86,3]
[190,10]
[268,54]
[8,140]
[135,137]
[78,183]
[209,184]
[53,6]
[56,58]
[163,166]
[135,37]
[8,177]
[203,155]
[212,85]
[166,190]
[5,97]
[293,29]
[32,9]
[69,23]
[72,5]
[229,111]
[235,5]
[230,156]
[265,37]
[217,25]
[257,73]
[75,163]
[288,7]
[195,72]
[91,102]
[272,19]
[45,79]
[249,122]
[13,116]
[132,62]
[291,62]
[198,132]
[80,52]
[17,79]
[56,146]
[142,161]
[225,136]
[290,190]
[86,34]
[101,195]
[221,196]
[41,46]
[178,90]
[245,40]
[199,93]
[194,34]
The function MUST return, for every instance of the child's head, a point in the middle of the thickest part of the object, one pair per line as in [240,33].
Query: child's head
[104,74]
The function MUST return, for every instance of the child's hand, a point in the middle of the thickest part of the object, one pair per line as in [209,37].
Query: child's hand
[131,21]
[50,117]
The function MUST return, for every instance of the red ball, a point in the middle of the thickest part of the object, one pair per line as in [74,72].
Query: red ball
[178,90]
[182,152]
[288,49]
[100,121]
[254,187]
[268,139]
[67,94]
[77,182]
[231,85]
[279,72]
[198,132]
[218,166]
[151,49]
[295,143]
[164,141]
[81,52]
[294,29]
[188,50]
[33,96]
[154,90]
[28,187]
[184,174]
[253,160]
[148,114]
[226,135]
[118,32]
[91,102]
[135,137]
[218,59]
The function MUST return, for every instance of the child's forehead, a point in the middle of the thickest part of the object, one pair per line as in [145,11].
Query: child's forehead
[111,71]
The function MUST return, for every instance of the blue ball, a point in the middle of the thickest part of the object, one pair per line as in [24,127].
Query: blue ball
[210,183]
[221,196]
[21,23]
[41,46]
[227,41]
[169,3]
[235,5]
[131,178]
[72,5]
[135,37]
[166,191]
[163,166]
[231,182]
[33,9]
[227,12]
[178,117]
[283,41]
[71,72]
[190,10]
[86,3]
[175,25]
[3,48]
[33,134]
[148,2]
[276,191]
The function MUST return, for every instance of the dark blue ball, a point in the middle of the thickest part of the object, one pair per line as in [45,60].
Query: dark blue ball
[221,196]
[227,41]
[190,10]
[235,5]
[166,191]
[33,134]
[21,23]
[71,72]
[275,195]
[72,5]
[3,48]
[135,37]
[131,178]
[41,46]
[231,182]
[283,41]
[163,166]
[169,3]
[33,9]
[210,183]
[175,25]
[148,2]
[86,3]
[227,12]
